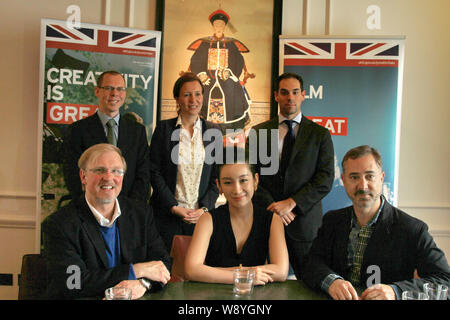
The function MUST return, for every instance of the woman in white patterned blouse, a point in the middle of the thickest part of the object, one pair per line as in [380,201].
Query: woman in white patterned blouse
[183,183]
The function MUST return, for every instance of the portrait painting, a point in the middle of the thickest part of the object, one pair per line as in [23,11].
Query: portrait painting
[228,45]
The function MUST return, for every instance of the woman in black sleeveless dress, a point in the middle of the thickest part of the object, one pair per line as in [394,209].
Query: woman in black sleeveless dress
[237,234]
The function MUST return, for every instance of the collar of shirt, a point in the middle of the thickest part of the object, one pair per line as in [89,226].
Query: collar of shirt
[102,221]
[104,119]
[374,220]
[197,123]
[297,119]
[283,129]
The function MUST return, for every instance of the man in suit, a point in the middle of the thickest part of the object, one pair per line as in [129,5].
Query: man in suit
[107,126]
[371,246]
[101,240]
[306,169]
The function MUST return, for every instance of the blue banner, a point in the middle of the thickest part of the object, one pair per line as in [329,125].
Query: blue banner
[353,88]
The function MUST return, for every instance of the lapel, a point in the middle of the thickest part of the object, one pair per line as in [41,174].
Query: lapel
[304,131]
[204,128]
[271,124]
[125,226]
[379,241]
[95,130]
[124,138]
[90,226]
[342,233]
[173,167]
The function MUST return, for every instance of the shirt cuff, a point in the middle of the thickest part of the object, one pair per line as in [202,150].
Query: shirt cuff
[328,280]
[131,275]
[398,294]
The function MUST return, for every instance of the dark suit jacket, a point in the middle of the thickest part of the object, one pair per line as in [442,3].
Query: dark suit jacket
[164,172]
[399,245]
[308,178]
[72,237]
[132,141]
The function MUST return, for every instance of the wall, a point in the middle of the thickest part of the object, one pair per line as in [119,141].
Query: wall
[424,151]
[20,45]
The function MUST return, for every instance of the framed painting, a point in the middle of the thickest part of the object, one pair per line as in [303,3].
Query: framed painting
[232,46]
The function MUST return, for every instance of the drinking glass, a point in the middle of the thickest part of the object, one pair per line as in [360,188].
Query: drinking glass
[243,281]
[414,295]
[435,291]
[118,293]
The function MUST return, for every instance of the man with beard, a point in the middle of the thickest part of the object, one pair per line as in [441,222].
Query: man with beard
[371,247]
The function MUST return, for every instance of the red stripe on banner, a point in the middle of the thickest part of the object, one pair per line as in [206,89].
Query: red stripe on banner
[67,113]
[130,39]
[103,39]
[369,49]
[336,126]
[65,31]
[303,48]
[94,48]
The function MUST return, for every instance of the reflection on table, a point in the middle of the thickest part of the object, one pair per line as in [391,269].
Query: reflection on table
[190,290]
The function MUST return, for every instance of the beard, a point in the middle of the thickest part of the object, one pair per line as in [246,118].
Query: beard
[365,202]
[106,200]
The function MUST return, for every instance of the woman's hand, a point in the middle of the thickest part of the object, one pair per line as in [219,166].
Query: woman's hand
[187,215]
[193,216]
[262,275]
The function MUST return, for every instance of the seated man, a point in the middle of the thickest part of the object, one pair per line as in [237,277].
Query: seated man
[371,246]
[99,240]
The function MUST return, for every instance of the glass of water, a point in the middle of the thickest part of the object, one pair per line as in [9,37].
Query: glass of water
[118,293]
[414,295]
[243,281]
[435,291]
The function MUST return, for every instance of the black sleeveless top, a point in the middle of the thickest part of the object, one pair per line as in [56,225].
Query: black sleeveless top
[222,251]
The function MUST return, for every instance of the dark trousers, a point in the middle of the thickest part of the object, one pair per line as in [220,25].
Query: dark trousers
[168,230]
[297,254]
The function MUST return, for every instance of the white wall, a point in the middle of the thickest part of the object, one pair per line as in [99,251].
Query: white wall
[19,60]
[424,151]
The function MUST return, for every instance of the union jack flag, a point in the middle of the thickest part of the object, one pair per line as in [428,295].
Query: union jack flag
[59,35]
[335,53]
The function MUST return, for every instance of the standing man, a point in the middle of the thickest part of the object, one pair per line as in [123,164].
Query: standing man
[306,169]
[101,240]
[372,244]
[107,126]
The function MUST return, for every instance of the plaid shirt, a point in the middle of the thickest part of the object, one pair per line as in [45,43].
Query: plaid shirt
[357,242]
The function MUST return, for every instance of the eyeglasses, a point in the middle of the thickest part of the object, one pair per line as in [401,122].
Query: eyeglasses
[109,88]
[102,171]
